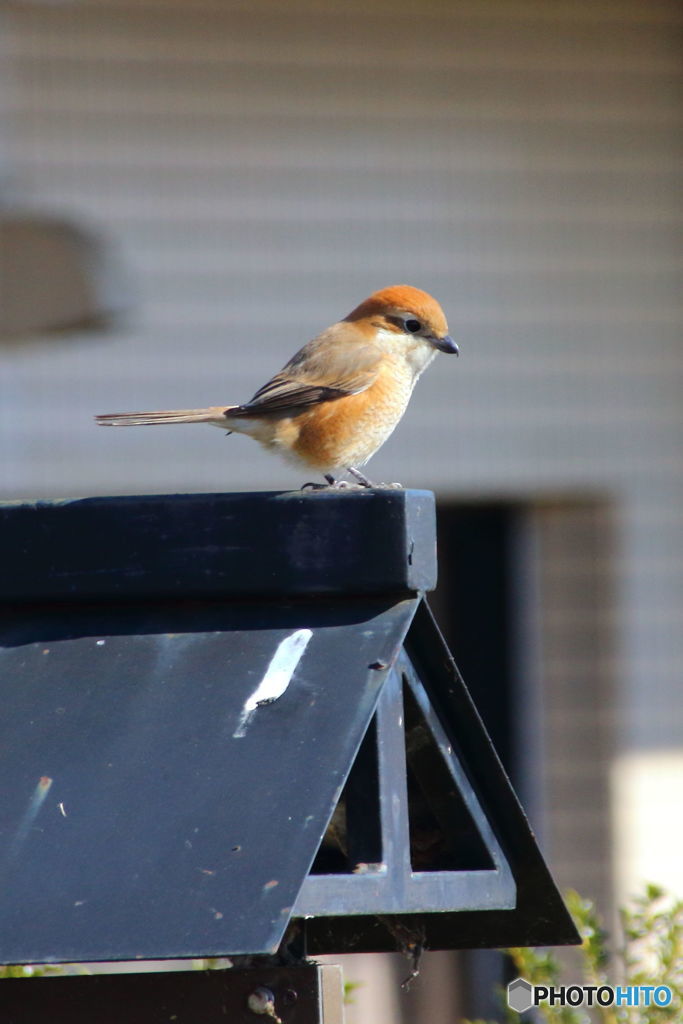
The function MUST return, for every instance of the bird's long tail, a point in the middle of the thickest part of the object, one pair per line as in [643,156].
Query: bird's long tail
[215,415]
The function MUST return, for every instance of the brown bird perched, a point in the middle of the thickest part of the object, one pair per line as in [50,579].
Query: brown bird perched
[340,397]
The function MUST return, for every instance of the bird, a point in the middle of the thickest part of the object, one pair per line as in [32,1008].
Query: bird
[337,400]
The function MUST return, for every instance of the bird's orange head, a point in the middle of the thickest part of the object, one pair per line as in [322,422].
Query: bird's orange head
[407,311]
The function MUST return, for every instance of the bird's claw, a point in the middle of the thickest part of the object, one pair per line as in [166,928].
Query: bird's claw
[342,485]
[347,485]
[334,485]
[364,482]
[339,485]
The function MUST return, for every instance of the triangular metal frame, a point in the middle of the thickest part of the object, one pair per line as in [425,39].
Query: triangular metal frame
[514,903]
[393,886]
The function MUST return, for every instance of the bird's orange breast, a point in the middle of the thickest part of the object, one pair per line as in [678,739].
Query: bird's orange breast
[348,431]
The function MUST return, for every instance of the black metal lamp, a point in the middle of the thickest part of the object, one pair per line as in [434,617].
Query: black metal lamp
[231,728]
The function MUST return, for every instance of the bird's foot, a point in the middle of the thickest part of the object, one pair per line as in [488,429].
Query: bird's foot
[342,485]
[347,485]
[364,482]
[360,477]
[332,485]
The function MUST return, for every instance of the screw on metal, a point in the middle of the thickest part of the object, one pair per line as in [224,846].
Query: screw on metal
[262,1002]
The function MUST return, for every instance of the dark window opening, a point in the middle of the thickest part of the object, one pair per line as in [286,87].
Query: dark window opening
[354,835]
[474,606]
[443,835]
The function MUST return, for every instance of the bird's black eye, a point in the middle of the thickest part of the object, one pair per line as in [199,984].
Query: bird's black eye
[412,326]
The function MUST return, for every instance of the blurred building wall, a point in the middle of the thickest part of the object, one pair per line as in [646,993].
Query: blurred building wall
[262,167]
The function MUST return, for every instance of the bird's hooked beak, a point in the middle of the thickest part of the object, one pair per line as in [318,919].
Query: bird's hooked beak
[445,344]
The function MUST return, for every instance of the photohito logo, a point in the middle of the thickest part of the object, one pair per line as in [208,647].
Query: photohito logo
[522,995]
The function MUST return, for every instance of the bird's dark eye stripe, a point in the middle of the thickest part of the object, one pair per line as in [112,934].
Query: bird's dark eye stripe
[407,323]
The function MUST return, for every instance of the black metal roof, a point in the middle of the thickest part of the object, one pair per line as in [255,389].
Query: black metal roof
[148,808]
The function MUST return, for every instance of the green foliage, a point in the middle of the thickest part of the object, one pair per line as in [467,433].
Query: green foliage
[651,953]
[30,970]
[349,989]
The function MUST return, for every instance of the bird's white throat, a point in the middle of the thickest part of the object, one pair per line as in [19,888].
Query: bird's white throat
[417,350]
